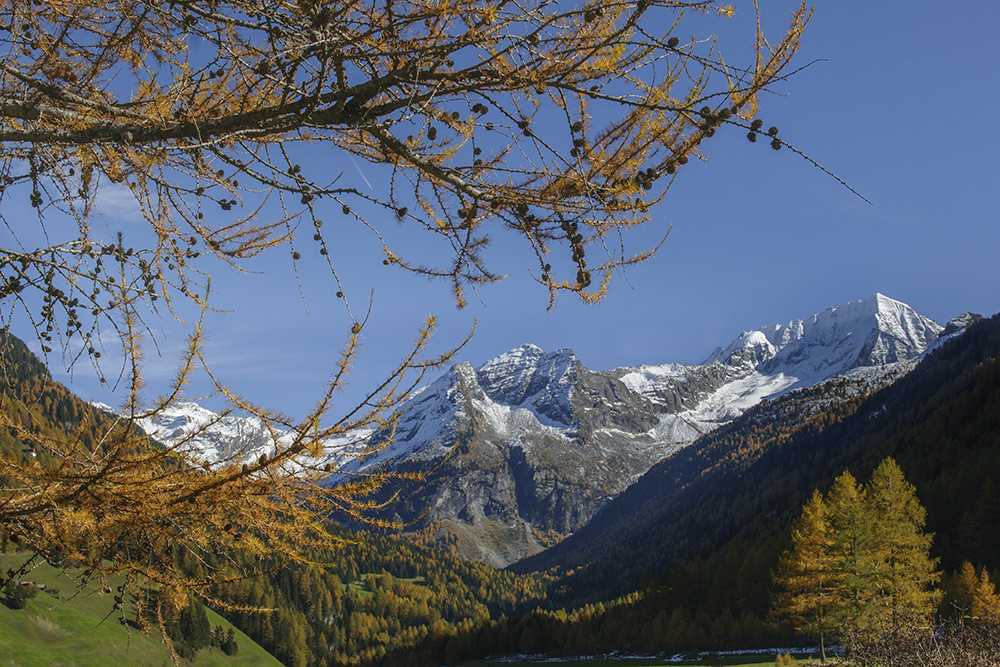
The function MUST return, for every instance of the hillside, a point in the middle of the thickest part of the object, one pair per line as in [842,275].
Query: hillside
[372,595]
[747,480]
[30,398]
[72,629]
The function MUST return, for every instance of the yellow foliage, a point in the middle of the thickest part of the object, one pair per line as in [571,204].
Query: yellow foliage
[559,123]
[322,72]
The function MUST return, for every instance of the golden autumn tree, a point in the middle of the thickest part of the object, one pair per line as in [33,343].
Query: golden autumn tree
[852,540]
[558,123]
[905,572]
[972,597]
[961,591]
[985,601]
[807,577]
[860,566]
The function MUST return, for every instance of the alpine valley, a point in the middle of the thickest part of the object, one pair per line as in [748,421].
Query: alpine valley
[641,510]
[530,446]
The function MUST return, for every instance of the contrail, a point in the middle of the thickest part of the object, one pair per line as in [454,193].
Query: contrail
[361,173]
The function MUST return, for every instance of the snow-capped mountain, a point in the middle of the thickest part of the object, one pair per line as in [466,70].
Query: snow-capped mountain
[864,339]
[530,445]
[211,437]
[208,435]
[529,378]
[871,332]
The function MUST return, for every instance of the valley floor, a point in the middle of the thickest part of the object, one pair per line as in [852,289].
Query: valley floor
[744,660]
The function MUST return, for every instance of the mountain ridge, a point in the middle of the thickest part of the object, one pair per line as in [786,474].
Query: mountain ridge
[748,481]
[559,440]
[530,445]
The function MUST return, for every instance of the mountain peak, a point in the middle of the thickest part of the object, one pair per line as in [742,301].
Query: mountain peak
[527,354]
[526,349]
[531,378]
[537,442]
[872,331]
[880,303]
[526,360]
[880,298]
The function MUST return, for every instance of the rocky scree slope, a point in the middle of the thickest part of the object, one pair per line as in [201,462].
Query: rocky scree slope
[528,447]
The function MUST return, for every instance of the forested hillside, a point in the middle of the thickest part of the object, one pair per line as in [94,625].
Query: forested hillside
[374,596]
[31,399]
[683,560]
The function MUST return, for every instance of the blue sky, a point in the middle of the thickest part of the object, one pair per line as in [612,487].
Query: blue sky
[900,105]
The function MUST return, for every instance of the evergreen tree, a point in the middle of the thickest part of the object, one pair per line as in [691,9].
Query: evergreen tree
[193,627]
[228,645]
[805,575]
[15,596]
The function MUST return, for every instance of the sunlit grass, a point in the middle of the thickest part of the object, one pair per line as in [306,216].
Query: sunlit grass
[74,630]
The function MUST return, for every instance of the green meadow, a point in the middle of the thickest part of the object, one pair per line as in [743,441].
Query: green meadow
[75,630]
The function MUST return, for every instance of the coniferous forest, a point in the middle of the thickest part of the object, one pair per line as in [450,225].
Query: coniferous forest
[277,236]
[832,527]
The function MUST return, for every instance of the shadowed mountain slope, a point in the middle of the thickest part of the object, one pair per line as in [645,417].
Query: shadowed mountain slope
[749,479]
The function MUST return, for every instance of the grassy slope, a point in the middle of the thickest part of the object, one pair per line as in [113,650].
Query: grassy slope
[70,632]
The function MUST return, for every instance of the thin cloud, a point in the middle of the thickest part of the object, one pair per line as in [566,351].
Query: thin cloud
[116,202]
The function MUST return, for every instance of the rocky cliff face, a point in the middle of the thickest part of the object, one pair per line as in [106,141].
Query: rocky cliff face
[528,447]
[525,449]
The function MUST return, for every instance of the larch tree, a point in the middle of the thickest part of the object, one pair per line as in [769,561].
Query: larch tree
[960,590]
[905,572]
[985,603]
[557,123]
[852,539]
[860,564]
[806,577]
